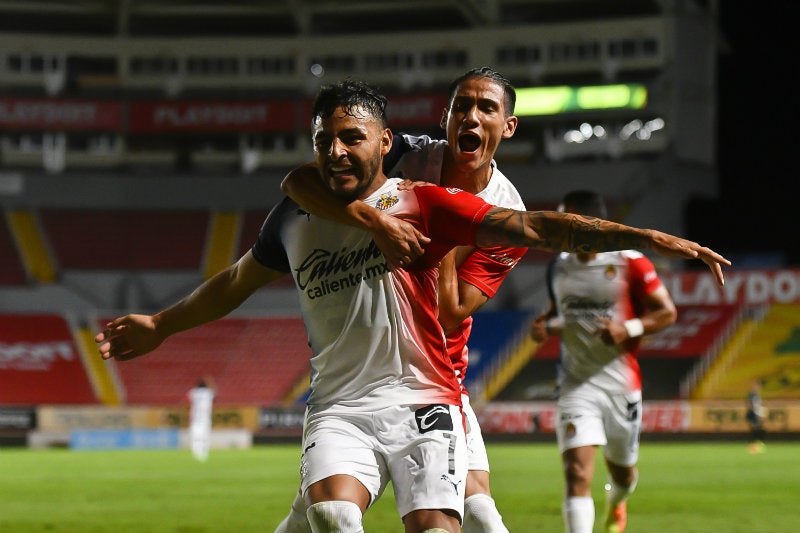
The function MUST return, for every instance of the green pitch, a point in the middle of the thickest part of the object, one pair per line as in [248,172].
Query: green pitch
[683,487]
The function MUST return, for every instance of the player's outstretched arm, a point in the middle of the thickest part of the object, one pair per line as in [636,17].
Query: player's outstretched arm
[135,335]
[566,232]
[399,241]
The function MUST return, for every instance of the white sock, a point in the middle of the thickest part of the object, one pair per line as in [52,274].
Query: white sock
[296,521]
[616,494]
[578,513]
[481,515]
[335,517]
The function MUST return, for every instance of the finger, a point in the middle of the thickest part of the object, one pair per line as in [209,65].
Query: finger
[717,270]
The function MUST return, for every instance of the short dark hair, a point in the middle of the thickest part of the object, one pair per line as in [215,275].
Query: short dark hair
[350,95]
[509,94]
[584,202]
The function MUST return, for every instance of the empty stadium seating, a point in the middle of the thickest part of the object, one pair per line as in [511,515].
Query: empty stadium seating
[252,361]
[40,362]
[98,239]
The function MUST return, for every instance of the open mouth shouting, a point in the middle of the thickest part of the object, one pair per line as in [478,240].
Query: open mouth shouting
[468,142]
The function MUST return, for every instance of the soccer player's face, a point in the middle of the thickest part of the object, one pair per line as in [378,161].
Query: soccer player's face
[349,152]
[475,122]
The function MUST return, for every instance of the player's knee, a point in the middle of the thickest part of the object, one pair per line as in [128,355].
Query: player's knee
[335,517]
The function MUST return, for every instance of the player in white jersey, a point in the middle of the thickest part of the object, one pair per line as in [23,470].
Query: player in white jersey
[480,113]
[600,305]
[385,400]
[201,400]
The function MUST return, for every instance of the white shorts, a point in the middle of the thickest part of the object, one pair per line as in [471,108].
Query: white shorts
[477,459]
[422,450]
[588,416]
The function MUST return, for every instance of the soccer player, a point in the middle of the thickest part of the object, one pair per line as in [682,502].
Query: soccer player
[479,115]
[201,399]
[385,401]
[601,304]
[755,418]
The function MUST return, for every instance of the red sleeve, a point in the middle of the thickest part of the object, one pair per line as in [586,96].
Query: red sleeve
[486,268]
[450,215]
[644,278]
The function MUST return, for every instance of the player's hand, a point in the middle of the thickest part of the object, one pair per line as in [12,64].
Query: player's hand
[407,184]
[612,333]
[128,337]
[538,329]
[399,241]
[671,246]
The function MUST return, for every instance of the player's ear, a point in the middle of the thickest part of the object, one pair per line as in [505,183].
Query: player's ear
[386,141]
[510,127]
[443,120]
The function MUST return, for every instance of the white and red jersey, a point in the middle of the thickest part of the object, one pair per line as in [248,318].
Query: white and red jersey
[374,334]
[611,285]
[420,158]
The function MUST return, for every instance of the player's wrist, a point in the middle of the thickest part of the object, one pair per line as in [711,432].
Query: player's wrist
[368,217]
[553,325]
[634,327]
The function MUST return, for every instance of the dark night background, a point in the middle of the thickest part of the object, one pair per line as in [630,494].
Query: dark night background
[758,116]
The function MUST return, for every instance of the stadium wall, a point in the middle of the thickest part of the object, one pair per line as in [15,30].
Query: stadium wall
[63,426]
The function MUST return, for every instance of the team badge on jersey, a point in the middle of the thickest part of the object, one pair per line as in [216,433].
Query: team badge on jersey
[386,201]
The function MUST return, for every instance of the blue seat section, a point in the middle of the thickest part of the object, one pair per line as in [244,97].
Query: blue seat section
[493,333]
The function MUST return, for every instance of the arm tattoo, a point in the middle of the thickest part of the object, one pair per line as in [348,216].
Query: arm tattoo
[557,232]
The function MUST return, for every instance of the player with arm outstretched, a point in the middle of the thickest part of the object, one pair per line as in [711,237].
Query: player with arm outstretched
[383,392]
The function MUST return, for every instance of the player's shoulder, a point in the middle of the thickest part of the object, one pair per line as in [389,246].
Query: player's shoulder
[501,191]
[632,254]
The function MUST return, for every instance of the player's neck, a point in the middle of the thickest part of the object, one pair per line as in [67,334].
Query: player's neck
[473,181]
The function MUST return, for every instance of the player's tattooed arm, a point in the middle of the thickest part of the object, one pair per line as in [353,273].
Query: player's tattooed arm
[558,232]
[564,232]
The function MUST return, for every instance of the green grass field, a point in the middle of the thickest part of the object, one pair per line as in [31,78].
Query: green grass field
[710,487]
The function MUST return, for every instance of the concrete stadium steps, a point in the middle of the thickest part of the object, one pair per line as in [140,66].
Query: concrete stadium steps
[221,242]
[33,251]
[12,271]
[768,350]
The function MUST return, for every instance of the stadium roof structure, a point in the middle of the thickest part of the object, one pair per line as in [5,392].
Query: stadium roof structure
[297,17]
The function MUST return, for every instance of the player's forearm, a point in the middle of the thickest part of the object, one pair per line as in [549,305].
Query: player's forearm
[304,186]
[213,299]
[558,232]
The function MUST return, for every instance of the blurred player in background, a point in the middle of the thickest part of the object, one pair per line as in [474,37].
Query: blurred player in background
[755,418]
[601,304]
[384,394]
[479,115]
[201,399]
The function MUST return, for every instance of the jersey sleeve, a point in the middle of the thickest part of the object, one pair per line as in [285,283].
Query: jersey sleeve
[486,268]
[644,278]
[268,248]
[449,214]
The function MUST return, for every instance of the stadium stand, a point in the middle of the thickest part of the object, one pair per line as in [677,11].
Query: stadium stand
[767,349]
[99,239]
[253,361]
[181,126]
[40,362]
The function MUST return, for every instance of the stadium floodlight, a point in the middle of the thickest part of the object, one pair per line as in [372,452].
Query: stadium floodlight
[537,101]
